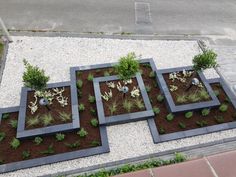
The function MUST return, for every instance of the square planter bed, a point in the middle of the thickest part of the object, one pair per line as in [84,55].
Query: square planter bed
[175,84]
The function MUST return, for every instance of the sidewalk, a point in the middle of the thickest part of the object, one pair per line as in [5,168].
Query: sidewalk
[220,165]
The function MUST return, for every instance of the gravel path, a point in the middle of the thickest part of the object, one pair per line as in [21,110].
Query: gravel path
[56,55]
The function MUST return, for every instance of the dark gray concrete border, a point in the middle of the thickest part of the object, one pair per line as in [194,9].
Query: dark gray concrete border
[157,138]
[23,133]
[8,110]
[124,118]
[193,106]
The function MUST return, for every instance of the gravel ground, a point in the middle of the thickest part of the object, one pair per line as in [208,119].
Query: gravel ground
[56,55]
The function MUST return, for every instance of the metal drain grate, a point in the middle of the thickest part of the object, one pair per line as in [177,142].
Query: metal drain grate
[142,13]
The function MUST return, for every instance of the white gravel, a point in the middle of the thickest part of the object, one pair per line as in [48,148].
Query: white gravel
[56,55]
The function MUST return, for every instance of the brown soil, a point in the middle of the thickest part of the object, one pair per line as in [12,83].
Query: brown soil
[55,109]
[118,98]
[183,88]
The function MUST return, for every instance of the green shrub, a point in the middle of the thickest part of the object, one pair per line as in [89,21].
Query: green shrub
[79,92]
[148,88]
[182,98]
[160,98]
[90,77]
[79,73]
[81,107]
[33,121]
[94,122]
[64,116]
[60,136]
[188,114]
[223,108]
[139,103]
[38,140]
[79,84]
[170,117]
[217,92]
[25,154]
[127,67]
[47,119]
[128,105]
[182,125]
[156,110]
[15,143]
[203,94]
[34,77]
[73,145]
[2,136]
[5,116]
[162,131]
[95,143]
[152,74]
[113,108]
[179,157]
[48,151]
[219,119]
[82,133]
[201,123]
[91,99]
[106,73]
[205,60]
[205,112]
[93,111]
[13,123]
[193,97]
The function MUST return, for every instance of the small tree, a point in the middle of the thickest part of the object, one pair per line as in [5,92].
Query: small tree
[127,67]
[34,77]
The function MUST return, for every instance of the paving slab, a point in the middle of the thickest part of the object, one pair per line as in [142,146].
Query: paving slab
[142,173]
[195,168]
[224,164]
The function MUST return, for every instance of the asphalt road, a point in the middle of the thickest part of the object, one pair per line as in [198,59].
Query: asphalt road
[162,17]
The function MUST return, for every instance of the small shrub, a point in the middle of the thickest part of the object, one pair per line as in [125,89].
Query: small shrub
[82,133]
[201,123]
[93,111]
[139,104]
[112,108]
[91,99]
[182,125]
[162,130]
[48,151]
[73,145]
[219,119]
[170,117]
[38,140]
[2,136]
[106,73]
[193,97]
[47,119]
[147,65]
[25,154]
[128,105]
[79,73]
[94,122]
[79,84]
[205,112]
[79,92]
[5,116]
[217,92]
[13,123]
[60,136]
[81,107]
[15,143]
[64,116]
[179,157]
[223,108]
[182,98]
[152,74]
[95,143]
[90,77]
[148,88]
[188,114]
[160,98]
[33,121]
[203,94]
[156,110]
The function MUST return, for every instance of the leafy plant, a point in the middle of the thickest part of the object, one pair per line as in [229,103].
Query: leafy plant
[13,123]
[181,98]
[156,110]
[48,151]
[106,73]
[113,108]
[79,73]
[148,88]
[219,119]
[162,130]
[64,116]
[205,112]
[38,140]
[127,67]
[217,92]
[73,145]
[128,105]
[223,108]
[160,98]
[93,111]
[188,114]
[91,98]
[95,143]
[205,60]
[182,125]
[60,136]
[25,154]
[152,74]
[79,92]
[94,122]
[5,116]
[47,119]
[79,84]
[193,97]
[90,77]
[81,107]
[15,143]
[82,133]
[179,157]
[139,104]
[201,123]
[203,94]
[170,117]
[34,77]
[33,121]
[2,136]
